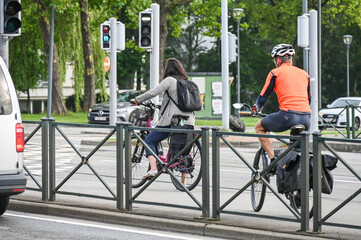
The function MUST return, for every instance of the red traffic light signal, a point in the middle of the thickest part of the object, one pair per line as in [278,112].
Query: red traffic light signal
[105,35]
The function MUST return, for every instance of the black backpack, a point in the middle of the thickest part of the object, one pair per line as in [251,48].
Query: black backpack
[189,97]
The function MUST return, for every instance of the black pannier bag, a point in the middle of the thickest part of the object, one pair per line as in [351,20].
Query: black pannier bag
[289,172]
[328,164]
[179,140]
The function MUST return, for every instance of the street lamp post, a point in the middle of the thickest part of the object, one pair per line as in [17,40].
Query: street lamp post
[237,15]
[347,39]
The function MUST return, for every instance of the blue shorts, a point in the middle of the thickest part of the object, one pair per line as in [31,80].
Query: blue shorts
[284,120]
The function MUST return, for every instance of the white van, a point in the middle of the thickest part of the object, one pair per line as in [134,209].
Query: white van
[12,178]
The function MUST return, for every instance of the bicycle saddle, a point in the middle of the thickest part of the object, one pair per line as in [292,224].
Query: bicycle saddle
[297,129]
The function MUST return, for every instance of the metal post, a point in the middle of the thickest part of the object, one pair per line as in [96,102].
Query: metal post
[313,71]
[45,157]
[113,73]
[305,51]
[50,63]
[316,181]
[215,173]
[154,54]
[238,66]
[305,184]
[128,170]
[348,70]
[4,49]
[225,67]
[119,150]
[319,28]
[52,179]
[353,121]
[205,173]
[348,121]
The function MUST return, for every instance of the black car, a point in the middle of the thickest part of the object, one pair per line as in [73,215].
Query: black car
[99,113]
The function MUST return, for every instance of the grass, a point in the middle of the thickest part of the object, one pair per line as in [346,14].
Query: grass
[70,117]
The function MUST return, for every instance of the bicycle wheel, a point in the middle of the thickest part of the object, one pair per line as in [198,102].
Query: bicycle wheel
[258,188]
[139,162]
[190,172]
[295,202]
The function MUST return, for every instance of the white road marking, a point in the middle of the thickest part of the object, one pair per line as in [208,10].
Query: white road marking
[103,227]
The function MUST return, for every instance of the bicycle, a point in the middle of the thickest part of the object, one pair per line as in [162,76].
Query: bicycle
[262,162]
[187,168]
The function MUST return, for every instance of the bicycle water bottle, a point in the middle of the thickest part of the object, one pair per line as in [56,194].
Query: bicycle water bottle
[151,123]
[182,122]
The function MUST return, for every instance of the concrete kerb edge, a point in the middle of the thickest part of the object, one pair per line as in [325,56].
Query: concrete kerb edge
[199,227]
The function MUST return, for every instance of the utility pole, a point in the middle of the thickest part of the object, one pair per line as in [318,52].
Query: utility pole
[225,67]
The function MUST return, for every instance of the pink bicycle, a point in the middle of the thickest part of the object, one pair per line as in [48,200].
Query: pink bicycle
[186,168]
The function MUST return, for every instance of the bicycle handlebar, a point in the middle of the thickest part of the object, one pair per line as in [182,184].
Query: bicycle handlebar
[250,113]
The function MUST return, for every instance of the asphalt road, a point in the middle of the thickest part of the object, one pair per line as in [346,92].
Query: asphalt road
[24,226]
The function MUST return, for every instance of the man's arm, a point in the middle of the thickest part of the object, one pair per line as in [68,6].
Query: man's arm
[309,91]
[266,91]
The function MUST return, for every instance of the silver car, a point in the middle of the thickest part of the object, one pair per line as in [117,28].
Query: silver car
[99,113]
[335,113]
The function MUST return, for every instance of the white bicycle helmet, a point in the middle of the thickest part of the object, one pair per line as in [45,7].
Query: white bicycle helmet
[281,50]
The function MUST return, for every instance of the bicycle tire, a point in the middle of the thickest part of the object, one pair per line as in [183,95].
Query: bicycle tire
[295,203]
[258,188]
[195,174]
[140,164]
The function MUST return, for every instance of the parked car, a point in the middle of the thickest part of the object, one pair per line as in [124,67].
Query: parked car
[12,177]
[99,113]
[335,113]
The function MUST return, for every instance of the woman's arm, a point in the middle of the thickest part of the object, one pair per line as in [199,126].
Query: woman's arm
[162,87]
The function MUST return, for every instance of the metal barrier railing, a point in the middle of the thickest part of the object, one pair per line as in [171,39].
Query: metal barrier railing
[204,205]
[350,126]
[123,133]
[43,186]
[318,221]
[217,208]
[84,160]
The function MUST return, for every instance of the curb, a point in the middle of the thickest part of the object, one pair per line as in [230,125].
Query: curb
[198,227]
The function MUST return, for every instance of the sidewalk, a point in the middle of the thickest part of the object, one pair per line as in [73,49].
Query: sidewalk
[171,219]
[165,220]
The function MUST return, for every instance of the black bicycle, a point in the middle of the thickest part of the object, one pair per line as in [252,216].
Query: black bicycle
[187,168]
[262,161]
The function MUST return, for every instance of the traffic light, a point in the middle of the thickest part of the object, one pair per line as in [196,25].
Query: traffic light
[232,48]
[105,35]
[11,17]
[146,29]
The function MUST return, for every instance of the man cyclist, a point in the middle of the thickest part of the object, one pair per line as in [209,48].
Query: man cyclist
[292,86]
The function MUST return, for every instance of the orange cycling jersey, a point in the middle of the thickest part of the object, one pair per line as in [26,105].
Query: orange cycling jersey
[292,87]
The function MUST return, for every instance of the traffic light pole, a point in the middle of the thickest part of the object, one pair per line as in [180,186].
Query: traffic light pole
[225,67]
[4,49]
[113,74]
[154,54]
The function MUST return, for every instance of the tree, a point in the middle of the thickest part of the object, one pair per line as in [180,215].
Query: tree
[57,104]
[89,83]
